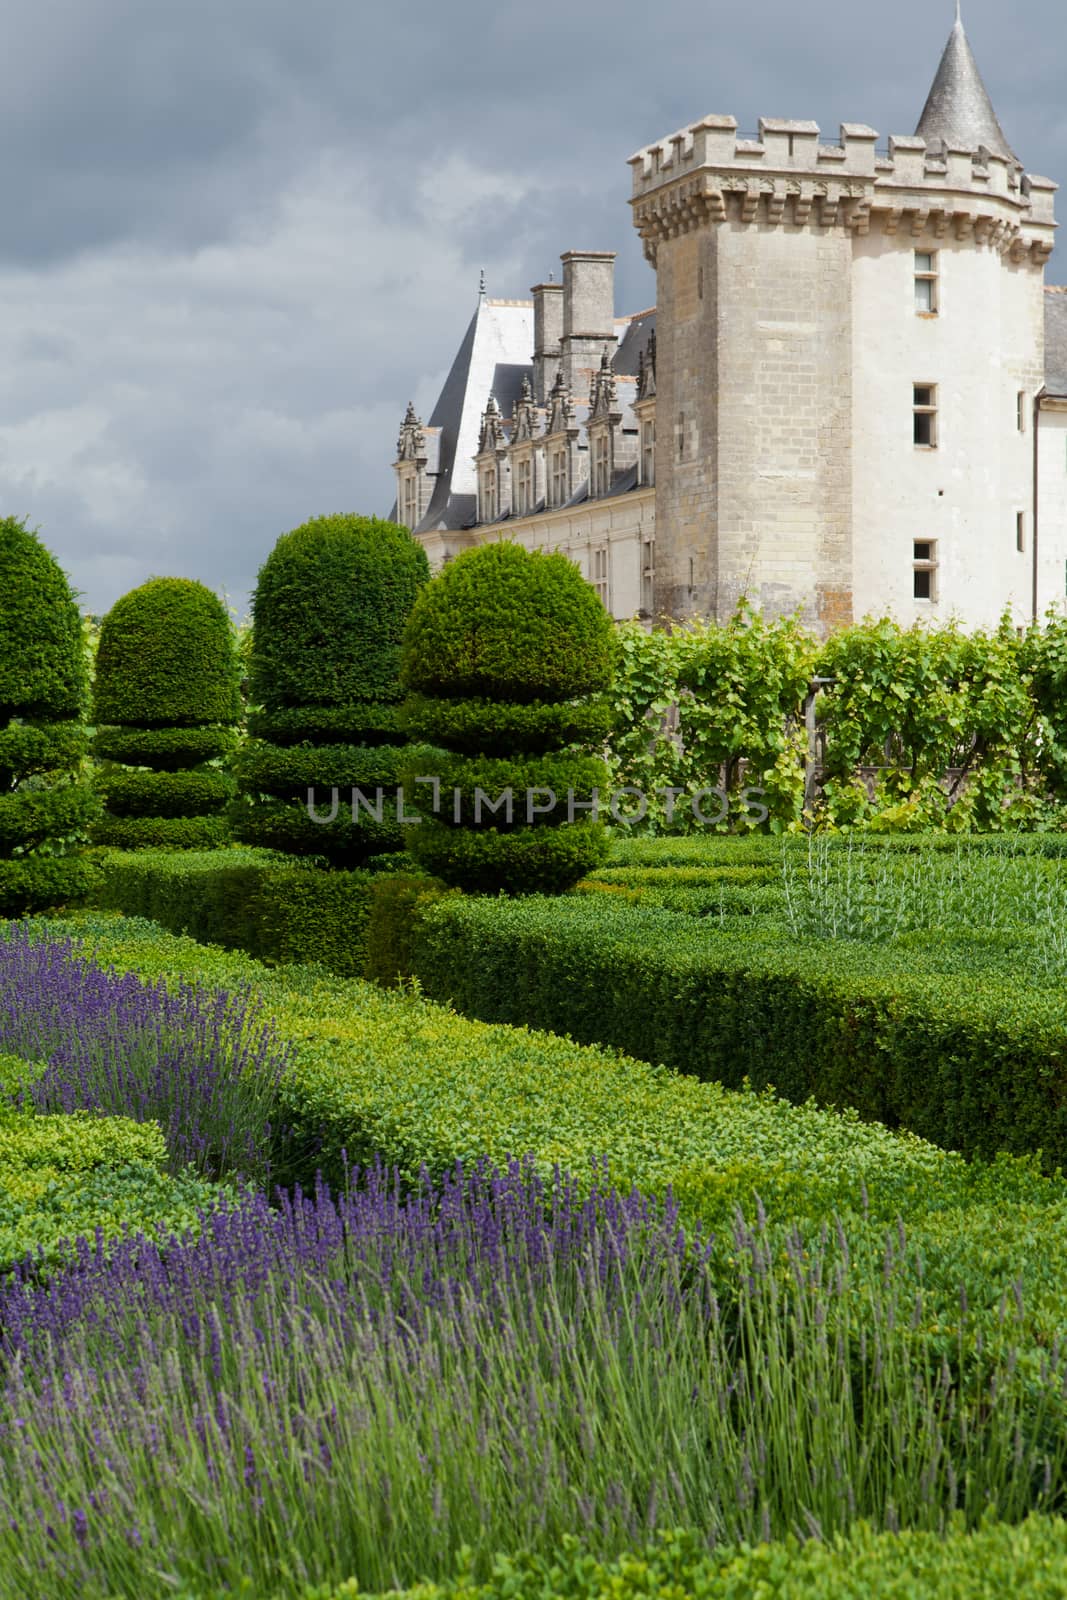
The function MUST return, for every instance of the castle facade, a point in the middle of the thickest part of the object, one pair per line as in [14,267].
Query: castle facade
[850,398]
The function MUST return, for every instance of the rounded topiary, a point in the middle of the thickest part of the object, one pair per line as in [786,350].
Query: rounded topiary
[507,657]
[328,616]
[166,701]
[46,801]
[510,624]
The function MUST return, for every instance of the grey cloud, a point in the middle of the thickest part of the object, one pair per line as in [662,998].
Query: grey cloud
[240,237]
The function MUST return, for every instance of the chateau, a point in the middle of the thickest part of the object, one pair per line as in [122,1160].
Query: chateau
[850,397]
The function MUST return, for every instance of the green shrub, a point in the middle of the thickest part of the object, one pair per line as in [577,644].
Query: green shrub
[141,793]
[164,749]
[46,804]
[501,624]
[942,1039]
[397,900]
[245,899]
[163,833]
[366,722]
[986,1564]
[167,659]
[385,1074]
[329,611]
[470,726]
[42,665]
[167,696]
[69,1177]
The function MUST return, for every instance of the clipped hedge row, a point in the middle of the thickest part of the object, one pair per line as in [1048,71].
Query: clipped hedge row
[994,1561]
[974,1061]
[386,1073]
[65,1177]
[246,899]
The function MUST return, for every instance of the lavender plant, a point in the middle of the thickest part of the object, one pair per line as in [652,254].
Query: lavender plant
[201,1063]
[361,1387]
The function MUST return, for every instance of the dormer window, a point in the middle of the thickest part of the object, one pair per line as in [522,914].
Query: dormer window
[648,450]
[601,464]
[558,475]
[523,486]
[409,508]
[487,511]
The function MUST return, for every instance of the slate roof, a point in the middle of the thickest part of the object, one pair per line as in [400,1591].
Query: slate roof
[958,111]
[495,356]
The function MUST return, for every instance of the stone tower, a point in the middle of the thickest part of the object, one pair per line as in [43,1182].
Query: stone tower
[850,344]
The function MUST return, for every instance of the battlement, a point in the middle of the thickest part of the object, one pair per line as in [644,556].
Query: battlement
[788,174]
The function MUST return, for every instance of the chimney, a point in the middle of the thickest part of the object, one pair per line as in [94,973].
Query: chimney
[548,330]
[588,315]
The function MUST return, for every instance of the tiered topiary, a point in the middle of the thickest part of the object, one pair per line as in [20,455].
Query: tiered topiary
[328,616]
[46,801]
[507,655]
[166,703]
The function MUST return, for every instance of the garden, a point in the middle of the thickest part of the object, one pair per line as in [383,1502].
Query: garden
[641,1175]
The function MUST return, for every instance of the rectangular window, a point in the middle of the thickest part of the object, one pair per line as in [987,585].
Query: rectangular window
[1020,411]
[524,487]
[924,559]
[559,477]
[600,464]
[488,509]
[410,505]
[648,450]
[926,296]
[602,577]
[924,415]
[648,575]
[1020,530]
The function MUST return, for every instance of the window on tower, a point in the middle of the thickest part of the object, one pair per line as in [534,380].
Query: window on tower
[924,410]
[924,564]
[926,274]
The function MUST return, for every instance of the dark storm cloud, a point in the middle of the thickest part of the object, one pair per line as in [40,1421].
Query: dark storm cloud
[241,234]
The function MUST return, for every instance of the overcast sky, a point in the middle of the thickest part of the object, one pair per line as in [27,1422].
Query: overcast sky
[241,234]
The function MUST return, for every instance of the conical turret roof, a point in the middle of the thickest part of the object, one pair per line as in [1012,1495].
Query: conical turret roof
[958,110]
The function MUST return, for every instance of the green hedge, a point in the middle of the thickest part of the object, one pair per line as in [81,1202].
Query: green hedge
[330,606]
[469,726]
[973,1060]
[28,749]
[30,817]
[165,749]
[528,861]
[65,1177]
[246,899]
[46,801]
[42,661]
[290,771]
[995,1561]
[167,659]
[363,722]
[508,624]
[140,793]
[273,824]
[163,833]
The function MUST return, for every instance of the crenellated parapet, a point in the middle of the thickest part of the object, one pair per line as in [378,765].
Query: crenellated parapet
[790,177]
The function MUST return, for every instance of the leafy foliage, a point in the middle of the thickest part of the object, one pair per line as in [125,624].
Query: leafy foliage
[167,659]
[961,731]
[329,613]
[500,652]
[46,802]
[167,696]
[509,624]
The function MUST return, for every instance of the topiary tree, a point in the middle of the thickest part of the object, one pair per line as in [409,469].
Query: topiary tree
[166,704]
[507,657]
[328,617]
[46,800]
